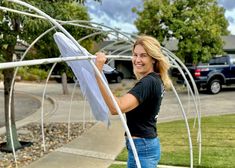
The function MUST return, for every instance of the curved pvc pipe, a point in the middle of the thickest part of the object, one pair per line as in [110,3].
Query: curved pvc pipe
[198,108]
[42,109]
[121,48]
[124,51]
[84,114]
[70,107]
[92,34]
[187,127]
[184,115]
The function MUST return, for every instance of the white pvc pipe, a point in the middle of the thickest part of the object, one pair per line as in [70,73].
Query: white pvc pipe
[84,113]
[184,114]
[6,65]
[187,127]
[197,100]
[42,109]
[70,107]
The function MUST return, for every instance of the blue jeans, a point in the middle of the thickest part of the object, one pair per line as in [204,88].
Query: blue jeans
[148,150]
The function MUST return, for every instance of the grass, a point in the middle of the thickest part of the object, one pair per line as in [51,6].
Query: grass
[218,143]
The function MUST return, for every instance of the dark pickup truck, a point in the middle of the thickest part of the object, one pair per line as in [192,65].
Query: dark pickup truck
[219,71]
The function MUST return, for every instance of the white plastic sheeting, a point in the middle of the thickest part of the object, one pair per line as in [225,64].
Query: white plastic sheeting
[85,74]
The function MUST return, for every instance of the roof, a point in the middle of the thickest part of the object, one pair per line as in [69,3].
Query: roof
[229,43]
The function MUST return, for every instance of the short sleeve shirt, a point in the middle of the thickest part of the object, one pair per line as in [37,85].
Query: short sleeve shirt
[142,120]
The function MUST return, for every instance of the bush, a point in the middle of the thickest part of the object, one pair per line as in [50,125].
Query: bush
[1,76]
[32,74]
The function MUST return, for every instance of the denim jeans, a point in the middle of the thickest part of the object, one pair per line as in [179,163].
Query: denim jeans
[148,150]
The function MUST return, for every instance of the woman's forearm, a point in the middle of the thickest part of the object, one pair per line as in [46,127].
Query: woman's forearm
[106,96]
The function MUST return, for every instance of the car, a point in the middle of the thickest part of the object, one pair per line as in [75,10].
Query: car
[113,76]
[58,78]
[220,71]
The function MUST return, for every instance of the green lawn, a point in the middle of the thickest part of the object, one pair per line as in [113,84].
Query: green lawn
[218,143]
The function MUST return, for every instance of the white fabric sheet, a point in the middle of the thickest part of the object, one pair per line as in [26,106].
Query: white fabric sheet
[85,74]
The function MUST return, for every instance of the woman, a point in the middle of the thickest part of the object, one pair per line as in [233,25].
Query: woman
[142,103]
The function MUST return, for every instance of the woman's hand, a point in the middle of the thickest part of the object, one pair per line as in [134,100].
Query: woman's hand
[100,60]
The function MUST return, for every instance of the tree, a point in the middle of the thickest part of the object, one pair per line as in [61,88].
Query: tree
[84,1]
[197,25]
[14,26]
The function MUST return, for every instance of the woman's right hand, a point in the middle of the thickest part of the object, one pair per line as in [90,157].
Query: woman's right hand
[100,60]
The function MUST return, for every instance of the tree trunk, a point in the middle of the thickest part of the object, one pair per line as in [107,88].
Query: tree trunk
[8,74]
[188,59]
[8,77]
[64,83]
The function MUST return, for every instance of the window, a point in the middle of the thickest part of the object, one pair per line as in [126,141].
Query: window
[232,59]
[218,61]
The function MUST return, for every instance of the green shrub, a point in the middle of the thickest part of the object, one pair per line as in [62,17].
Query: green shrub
[32,74]
[1,76]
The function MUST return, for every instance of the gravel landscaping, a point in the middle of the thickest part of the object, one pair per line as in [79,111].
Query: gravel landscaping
[55,136]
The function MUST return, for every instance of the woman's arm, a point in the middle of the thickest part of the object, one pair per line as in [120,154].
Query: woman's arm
[125,103]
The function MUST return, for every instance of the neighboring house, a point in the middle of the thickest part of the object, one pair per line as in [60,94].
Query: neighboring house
[119,48]
[20,48]
[229,44]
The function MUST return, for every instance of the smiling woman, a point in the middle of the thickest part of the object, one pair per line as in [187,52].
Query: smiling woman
[142,103]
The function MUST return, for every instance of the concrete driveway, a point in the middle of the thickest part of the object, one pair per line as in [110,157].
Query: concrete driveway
[25,105]
[219,104]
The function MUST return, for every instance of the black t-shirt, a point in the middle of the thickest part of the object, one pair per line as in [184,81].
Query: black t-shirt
[142,120]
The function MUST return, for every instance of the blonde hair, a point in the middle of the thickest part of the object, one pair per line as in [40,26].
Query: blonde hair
[153,49]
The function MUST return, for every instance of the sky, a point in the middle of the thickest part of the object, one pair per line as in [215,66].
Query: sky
[118,13]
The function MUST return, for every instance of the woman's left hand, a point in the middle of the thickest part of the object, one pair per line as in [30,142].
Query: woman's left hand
[100,60]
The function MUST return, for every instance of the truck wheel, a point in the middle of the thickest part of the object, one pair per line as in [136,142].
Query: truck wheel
[214,86]
[119,79]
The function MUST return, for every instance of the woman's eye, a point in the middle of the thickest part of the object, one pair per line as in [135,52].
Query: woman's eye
[143,55]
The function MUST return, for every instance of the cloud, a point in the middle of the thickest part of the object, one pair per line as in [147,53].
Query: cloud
[114,13]
[227,4]
[119,10]
[118,14]
[231,19]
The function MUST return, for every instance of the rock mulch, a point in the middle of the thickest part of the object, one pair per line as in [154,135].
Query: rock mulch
[56,135]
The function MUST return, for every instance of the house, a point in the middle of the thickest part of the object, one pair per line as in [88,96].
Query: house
[229,44]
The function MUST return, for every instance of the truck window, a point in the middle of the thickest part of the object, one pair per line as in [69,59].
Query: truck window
[233,59]
[218,61]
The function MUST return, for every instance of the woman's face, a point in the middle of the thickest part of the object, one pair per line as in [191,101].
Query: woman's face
[142,62]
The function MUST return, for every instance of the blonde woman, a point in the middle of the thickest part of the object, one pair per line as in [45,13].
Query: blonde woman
[142,103]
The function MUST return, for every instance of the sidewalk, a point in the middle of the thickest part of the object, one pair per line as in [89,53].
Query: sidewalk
[96,148]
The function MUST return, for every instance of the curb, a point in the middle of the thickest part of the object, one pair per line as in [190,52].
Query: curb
[34,116]
[159,166]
